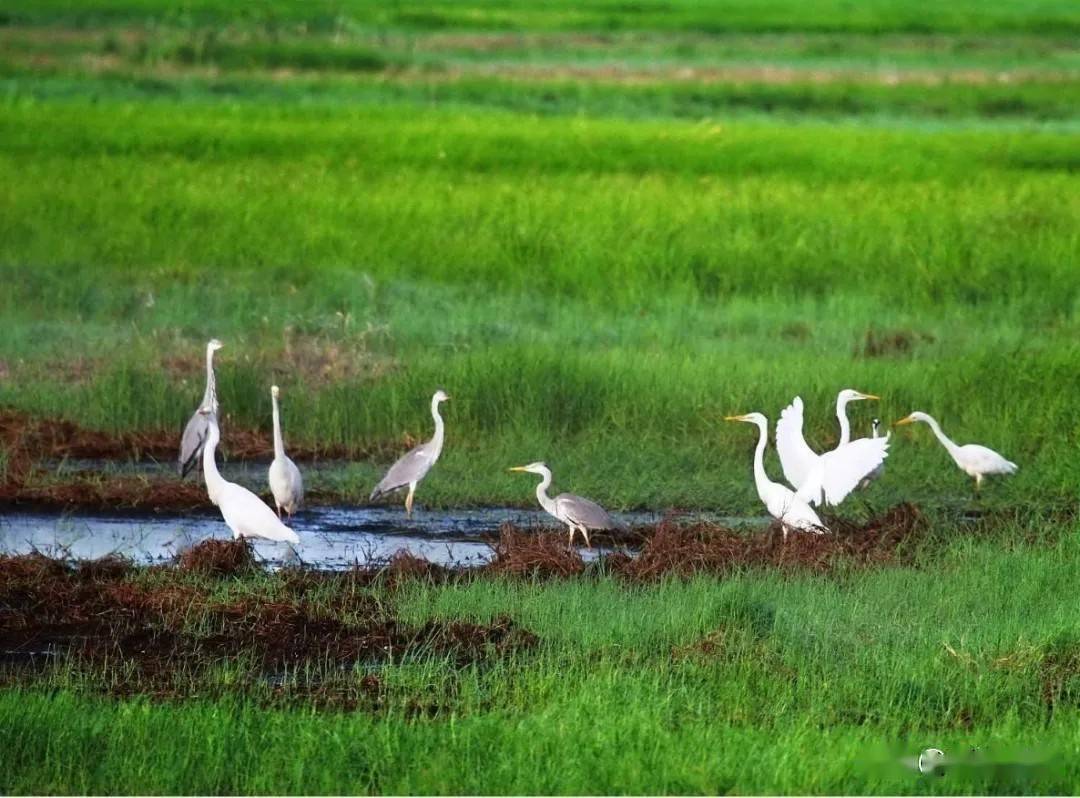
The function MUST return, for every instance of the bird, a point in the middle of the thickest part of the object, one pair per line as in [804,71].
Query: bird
[191,443]
[974,460]
[579,514]
[285,481]
[246,514]
[414,464]
[783,504]
[831,476]
[875,432]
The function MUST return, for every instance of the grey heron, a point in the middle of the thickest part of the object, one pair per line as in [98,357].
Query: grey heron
[783,504]
[414,464]
[974,460]
[831,476]
[191,443]
[244,512]
[285,481]
[579,514]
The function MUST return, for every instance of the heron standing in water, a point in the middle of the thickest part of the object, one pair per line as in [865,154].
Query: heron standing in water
[194,437]
[579,514]
[285,481]
[414,464]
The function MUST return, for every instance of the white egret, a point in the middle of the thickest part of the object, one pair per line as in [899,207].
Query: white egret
[244,512]
[783,504]
[828,477]
[579,514]
[285,481]
[191,443]
[974,460]
[414,465]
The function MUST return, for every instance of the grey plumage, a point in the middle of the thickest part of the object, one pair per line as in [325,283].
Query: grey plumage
[198,426]
[579,514]
[584,512]
[414,465]
[286,484]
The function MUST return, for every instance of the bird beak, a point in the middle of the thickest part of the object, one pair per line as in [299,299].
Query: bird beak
[517,468]
[734,418]
[869,396]
[903,421]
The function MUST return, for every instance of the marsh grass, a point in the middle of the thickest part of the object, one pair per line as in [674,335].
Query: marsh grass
[703,684]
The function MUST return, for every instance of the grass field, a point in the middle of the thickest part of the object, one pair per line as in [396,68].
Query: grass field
[601,227]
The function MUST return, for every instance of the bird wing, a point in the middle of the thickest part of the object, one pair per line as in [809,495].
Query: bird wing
[842,469]
[410,467]
[581,511]
[249,517]
[191,443]
[796,458]
[986,459]
[787,506]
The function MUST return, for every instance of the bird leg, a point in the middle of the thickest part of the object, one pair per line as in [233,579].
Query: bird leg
[573,529]
[585,532]
[408,500]
[279,512]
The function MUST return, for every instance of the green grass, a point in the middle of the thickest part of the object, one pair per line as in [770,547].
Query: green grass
[810,685]
[599,286]
[872,16]
[601,227]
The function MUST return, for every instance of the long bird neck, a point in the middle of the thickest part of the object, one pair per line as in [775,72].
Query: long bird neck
[542,493]
[841,416]
[209,400]
[437,438]
[214,480]
[279,444]
[941,436]
[761,479]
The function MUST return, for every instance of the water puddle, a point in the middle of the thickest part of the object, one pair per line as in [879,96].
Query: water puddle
[332,538]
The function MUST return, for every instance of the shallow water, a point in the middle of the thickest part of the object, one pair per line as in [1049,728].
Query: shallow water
[331,538]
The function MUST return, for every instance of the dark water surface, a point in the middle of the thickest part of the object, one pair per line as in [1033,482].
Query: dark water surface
[330,537]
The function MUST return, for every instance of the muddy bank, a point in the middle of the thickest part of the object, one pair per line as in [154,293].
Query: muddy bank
[30,442]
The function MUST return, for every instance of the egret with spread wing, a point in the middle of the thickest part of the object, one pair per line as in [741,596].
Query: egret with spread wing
[285,481]
[415,464]
[244,512]
[783,504]
[828,477]
[191,444]
[974,460]
[579,514]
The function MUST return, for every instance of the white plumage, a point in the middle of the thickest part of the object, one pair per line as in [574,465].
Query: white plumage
[286,484]
[831,476]
[783,504]
[244,512]
[973,459]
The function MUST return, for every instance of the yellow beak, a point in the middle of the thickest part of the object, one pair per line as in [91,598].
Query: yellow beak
[517,468]
[734,418]
[905,420]
[871,396]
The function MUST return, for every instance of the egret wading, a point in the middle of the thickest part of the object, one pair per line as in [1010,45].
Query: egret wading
[783,504]
[244,512]
[974,460]
[579,514]
[285,481]
[191,443]
[414,465]
[828,477]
